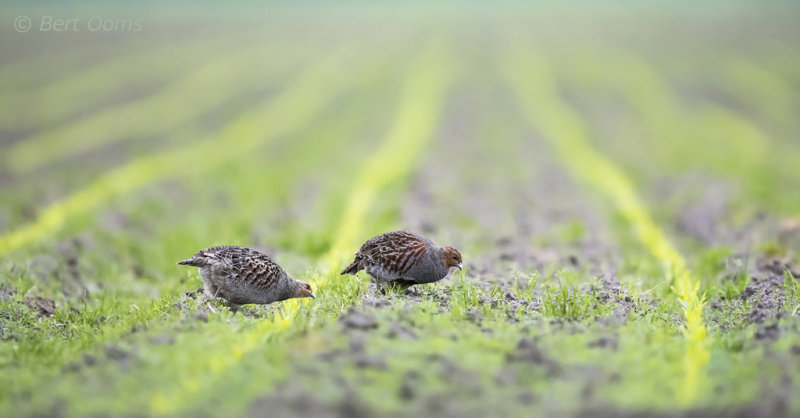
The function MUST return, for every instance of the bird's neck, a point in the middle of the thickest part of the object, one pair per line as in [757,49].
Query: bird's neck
[438,262]
[289,286]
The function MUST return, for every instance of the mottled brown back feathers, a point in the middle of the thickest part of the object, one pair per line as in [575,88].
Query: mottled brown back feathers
[396,251]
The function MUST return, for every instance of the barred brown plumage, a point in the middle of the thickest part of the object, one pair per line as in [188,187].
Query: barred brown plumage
[242,275]
[404,259]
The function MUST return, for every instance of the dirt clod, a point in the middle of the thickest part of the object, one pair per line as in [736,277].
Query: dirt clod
[528,351]
[406,391]
[604,342]
[357,344]
[769,332]
[89,360]
[355,319]
[6,292]
[44,306]
[115,353]
[375,302]
[397,330]
[368,361]
[201,315]
[474,314]
[765,292]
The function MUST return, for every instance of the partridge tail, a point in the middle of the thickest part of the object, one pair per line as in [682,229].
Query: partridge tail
[197,260]
[353,268]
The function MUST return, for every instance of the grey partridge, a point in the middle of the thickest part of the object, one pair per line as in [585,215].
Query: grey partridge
[242,275]
[404,259]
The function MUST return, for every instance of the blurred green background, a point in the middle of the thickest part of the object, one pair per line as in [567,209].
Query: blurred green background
[133,135]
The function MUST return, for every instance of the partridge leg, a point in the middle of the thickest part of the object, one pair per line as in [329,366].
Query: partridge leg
[213,300]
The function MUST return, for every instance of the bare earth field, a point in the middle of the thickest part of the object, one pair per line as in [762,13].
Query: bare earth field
[623,183]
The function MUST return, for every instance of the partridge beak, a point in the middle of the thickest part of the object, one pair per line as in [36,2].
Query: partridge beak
[460,267]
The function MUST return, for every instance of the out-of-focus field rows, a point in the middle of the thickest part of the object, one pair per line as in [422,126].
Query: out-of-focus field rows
[622,183]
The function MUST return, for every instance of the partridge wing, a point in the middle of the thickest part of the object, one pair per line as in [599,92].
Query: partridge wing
[395,251]
[248,266]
